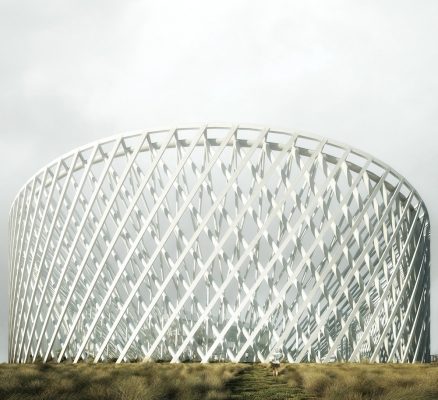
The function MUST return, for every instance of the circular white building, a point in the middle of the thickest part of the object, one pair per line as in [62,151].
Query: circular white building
[218,243]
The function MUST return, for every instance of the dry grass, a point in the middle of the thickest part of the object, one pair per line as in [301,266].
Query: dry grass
[218,381]
[366,381]
[110,381]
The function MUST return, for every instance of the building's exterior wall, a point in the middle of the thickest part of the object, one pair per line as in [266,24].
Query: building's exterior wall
[218,242]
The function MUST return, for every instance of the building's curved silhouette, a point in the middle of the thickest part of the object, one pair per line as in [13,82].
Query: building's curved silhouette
[218,242]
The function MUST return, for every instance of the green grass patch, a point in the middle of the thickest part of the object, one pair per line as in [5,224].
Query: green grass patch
[218,381]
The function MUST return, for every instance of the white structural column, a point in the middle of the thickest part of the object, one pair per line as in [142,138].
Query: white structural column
[218,242]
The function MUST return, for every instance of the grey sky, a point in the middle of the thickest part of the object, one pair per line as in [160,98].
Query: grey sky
[364,73]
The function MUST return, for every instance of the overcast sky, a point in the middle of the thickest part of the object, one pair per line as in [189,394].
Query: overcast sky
[360,72]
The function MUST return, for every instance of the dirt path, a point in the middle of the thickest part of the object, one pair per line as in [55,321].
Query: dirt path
[256,382]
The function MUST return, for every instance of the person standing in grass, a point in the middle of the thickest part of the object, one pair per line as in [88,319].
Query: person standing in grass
[275,362]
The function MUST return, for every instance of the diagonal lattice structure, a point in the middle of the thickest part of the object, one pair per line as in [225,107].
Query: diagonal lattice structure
[218,243]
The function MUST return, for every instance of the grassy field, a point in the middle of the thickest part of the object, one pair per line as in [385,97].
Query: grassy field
[218,381]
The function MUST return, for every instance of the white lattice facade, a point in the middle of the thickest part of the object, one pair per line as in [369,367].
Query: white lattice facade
[218,243]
